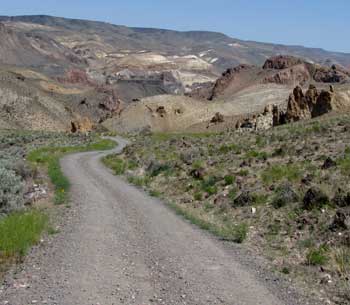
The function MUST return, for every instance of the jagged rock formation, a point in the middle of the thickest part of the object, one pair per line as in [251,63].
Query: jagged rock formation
[300,106]
[311,104]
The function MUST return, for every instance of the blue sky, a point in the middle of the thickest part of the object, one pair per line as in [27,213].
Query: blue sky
[313,23]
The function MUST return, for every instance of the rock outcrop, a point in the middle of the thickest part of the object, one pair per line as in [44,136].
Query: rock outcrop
[217,118]
[281,62]
[311,104]
[280,70]
[300,106]
[258,122]
[83,124]
[76,76]
[227,78]
[296,75]
[335,74]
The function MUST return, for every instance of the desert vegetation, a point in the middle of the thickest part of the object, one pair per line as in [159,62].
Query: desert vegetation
[284,192]
[27,159]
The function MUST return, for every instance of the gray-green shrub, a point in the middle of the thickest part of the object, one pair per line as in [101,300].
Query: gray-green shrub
[11,190]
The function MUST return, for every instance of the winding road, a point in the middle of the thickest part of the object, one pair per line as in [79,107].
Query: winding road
[120,246]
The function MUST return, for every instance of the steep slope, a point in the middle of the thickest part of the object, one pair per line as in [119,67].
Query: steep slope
[29,100]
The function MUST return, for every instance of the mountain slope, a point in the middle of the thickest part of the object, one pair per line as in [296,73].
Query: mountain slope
[102,44]
[114,66]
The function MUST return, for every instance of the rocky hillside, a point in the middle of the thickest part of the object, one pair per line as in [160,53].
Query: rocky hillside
[53,45]
[282,192]
[282,70]
[73,74]
[246,96]
[29,100]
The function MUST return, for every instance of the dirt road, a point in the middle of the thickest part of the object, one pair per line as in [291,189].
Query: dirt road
[120,246]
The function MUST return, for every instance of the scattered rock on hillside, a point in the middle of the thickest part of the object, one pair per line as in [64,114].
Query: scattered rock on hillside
[243,199]
[217,118]
[284,195]
[341,199]
[328,163]
[314,198]
[197,173]
[341,221]
[335,74]
[161,111]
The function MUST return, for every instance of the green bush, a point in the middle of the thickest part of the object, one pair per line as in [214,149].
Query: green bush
[235,233]
[260,141]
[317,256]
[208,185]
[225,149]
[344,165]
[19,231]
[276,173]
[260,155]
[243,173]
[229,179]
[117,164]
[198,196]
[139,181]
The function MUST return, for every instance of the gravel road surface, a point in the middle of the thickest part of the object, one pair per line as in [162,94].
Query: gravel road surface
[120,246]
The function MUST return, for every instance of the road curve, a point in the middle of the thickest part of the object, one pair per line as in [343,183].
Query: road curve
[119,246]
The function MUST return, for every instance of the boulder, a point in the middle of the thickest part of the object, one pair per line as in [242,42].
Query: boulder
[197,173]
[265,121]
[314,198]
[217,118]
[341,221]
[245,198]
[328,163]
[222,201]
[161,111]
